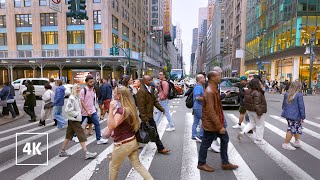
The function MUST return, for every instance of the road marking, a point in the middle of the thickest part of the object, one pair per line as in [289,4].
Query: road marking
[306,130]
[27,131]
[19,127]
[148,152]
[12,162]
[39,170]
[286,164]
[87,172]
[189,170]
[243,172]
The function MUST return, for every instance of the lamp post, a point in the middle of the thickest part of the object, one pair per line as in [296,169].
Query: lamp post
[127,54]
[260,35]
[311,41]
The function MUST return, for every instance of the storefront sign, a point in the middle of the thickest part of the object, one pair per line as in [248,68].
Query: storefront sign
[79,76]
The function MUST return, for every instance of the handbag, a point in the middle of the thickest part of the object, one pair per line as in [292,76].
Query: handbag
[49,105]
[146,133]
[9,101]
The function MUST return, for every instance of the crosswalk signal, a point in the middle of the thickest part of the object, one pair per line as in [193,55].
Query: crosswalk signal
[111,52]
[81,10]
[71,8]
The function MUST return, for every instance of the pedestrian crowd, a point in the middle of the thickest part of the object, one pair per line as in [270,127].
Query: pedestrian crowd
[131,103]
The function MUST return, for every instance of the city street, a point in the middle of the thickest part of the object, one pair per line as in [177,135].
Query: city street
[267,161]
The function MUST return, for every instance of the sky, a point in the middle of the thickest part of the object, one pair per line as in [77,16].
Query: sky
[185,12]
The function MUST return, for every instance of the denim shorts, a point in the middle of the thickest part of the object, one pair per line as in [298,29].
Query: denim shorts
[295,127]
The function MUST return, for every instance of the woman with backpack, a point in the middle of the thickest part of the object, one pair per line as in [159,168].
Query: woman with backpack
[256,106]
[293,110]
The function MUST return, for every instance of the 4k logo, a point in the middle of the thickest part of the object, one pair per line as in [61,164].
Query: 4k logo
[32,149]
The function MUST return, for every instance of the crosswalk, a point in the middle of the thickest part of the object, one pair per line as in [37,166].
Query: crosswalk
[300,164]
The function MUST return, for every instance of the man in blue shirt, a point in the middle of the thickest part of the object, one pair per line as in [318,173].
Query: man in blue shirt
[198,91]
[106,96]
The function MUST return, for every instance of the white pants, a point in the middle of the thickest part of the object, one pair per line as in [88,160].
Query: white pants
[257,123]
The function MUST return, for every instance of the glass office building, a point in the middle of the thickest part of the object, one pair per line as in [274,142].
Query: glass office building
[278,32]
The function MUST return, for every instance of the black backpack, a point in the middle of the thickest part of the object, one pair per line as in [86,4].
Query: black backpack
[189,100]
[172,90]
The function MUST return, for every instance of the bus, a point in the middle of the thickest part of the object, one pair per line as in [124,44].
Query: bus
[176,74]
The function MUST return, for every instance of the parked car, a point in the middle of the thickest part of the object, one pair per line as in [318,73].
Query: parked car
[231,100]
[191,83]
[233,80]
[17,83]
[38,84]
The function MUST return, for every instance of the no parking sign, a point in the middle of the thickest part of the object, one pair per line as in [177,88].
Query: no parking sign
[55,5]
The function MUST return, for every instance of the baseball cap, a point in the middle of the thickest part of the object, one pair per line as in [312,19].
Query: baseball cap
[243,78]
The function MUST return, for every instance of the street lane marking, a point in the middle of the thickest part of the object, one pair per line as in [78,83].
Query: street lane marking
[148,152]
[286,164]
[243,172]
[19,127]
[306,130]
[27,131]
[189,170]
[39,170]
[12,162]
[87,172]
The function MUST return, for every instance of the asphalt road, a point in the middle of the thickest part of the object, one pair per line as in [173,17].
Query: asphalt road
[268,161]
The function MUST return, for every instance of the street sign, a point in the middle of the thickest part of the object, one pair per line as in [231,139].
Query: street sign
[55,5]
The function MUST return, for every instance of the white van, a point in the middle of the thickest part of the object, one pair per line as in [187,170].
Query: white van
[38,84]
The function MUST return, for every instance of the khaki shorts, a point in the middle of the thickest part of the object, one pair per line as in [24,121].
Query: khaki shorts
[75,127]
[242,110]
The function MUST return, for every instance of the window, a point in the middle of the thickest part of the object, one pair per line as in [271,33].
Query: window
[75,37]
[2,4]
[154,1]
[154,8]
[23,20]
[133,37]
[71,21]
[97,36]
[115,5]
[125,30]
[3,23]
[154,15]
[154,22]
[96,1]
[125,44]
[3,39]
[42,2]
[17,3]
[97,17]
[49,37]
[27,3]
[48,19]
[114,23]
[115,39]
[24,38]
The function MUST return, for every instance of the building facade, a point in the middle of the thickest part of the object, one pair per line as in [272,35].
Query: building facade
[30,29]
[277,35]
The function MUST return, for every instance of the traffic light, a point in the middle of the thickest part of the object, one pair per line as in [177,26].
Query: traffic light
[230,49]
[225,50]
[71,8]
[81,10]
[116,51]
[111,52]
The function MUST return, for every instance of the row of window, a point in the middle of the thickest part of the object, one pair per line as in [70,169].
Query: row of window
[73,37]
[27,3]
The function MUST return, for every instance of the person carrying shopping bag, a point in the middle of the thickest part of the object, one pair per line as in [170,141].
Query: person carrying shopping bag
[47,105]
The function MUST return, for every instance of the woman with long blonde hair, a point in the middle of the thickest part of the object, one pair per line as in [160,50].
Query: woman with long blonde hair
[293,110]
[123,122]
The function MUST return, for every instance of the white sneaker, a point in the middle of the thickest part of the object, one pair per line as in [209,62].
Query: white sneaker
[296,144]
[259,142]
[237,126]
[214,147]
[170,129]
[90,155]
[198,140]
[102,141]
[75,139]
[288,147]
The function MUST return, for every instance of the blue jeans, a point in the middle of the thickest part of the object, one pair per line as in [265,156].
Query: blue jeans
[165,105]
[197,117]
[95,120]
[207,139]
[57,115]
